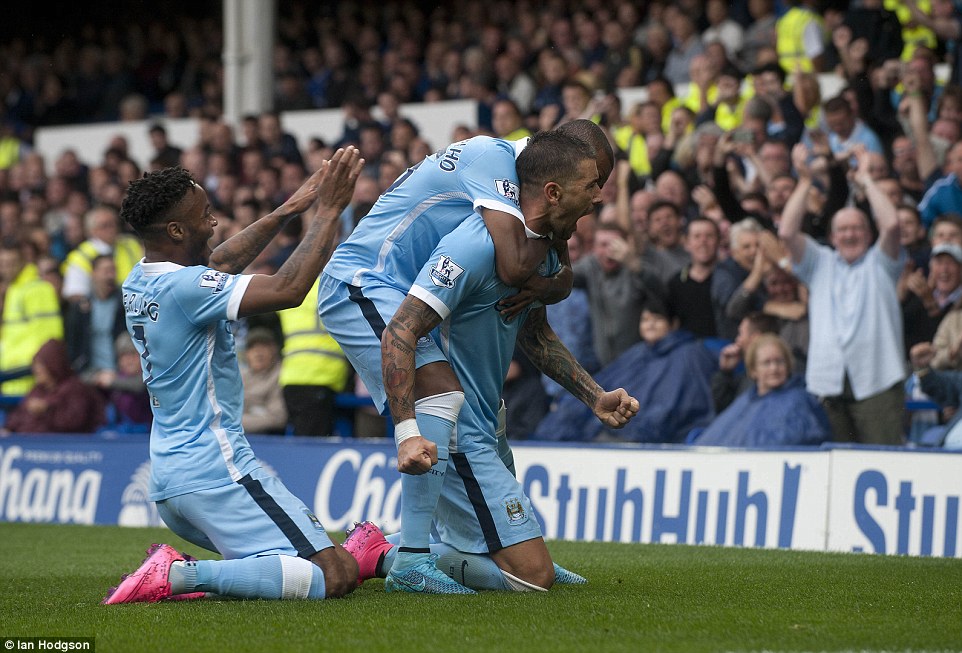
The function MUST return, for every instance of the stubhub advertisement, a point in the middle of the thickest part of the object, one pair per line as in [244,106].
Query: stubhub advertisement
[888,501]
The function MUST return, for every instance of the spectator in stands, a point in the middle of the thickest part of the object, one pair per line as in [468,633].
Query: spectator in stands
[686,44]
[856,357]
[277,145]
[664,256]
[729,380]
[93,322]
[59,402]
[264,408]
[759,35]
[846,130]
[748,422]
[945,195]
[313,369]
[689,291]
[668,372]
[124,386]
[741,273]
[525,399]
[571,321]
[30,317]
[945,388]
[912,236]
[507,122]
[800,34]
[783,121]
[103,228]
[617,287]
[926,299]
[165,155]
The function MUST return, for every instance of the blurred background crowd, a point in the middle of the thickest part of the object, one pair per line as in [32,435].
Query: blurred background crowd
[687,288]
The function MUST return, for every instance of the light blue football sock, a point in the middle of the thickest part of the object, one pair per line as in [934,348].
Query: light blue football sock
[474,570]
[264,577]
[420,494]
[477,571]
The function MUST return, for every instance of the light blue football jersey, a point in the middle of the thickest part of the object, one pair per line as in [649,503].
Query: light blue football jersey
[178,319]
[429,200]
[460,283]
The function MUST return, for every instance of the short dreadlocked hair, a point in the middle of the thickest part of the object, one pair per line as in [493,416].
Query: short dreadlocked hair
[149,200]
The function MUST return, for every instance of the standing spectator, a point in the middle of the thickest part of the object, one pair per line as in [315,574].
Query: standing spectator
[59,402]
[664,256]
[264,407]
[92,323]
[747,263]
[689,291]
[686,44]
[856,357]
[617,287]
[759,35]
[313,369]
[165,154]
[507,122]
[103,229]
[275,142]
[31,315]
[846,130]
[722,28]
[800,36]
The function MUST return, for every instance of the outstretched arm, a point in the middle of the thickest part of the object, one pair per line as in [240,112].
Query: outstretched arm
[790,229]
[549,355]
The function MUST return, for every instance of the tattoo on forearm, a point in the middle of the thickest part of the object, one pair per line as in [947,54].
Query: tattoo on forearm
[235,254]
[549,355]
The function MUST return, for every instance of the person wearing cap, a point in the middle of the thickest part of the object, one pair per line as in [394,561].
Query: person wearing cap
[926,301]
[264,407]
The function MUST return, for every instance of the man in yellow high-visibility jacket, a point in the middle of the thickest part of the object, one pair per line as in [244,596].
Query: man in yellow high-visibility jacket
[800,38]
[31,316]
[313,369]
[103,228]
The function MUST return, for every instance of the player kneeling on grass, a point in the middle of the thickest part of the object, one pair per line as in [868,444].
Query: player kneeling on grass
[209,487]
[489,536]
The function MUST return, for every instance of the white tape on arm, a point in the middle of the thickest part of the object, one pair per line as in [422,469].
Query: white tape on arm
[404,430]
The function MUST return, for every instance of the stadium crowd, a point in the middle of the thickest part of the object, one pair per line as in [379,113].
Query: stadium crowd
[747,204]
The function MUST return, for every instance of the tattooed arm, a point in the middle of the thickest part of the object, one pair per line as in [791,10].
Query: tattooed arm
[412,320]
[549,355]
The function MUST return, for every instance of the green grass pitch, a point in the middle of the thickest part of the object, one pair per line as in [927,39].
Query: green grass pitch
[640,598]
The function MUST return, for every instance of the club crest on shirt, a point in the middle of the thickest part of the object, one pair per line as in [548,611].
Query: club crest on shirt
[508,189]
[314,519]
[515,511]
[445,272]
[214,280]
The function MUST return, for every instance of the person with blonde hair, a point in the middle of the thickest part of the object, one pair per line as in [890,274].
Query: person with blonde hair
[748,422]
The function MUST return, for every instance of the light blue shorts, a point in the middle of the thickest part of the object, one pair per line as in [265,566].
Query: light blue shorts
[483,508]
[255,516]
[356,318]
